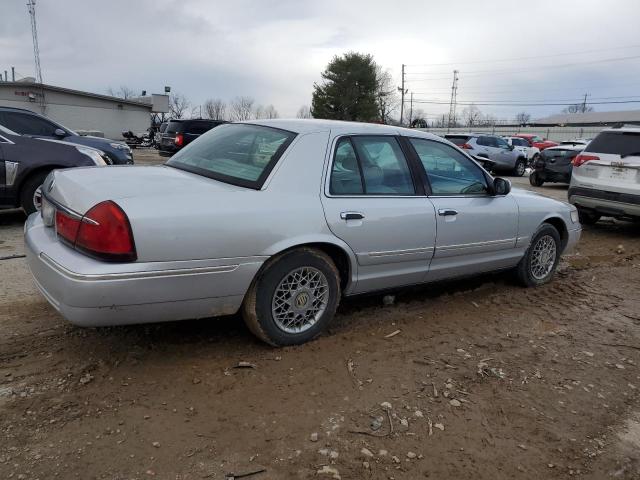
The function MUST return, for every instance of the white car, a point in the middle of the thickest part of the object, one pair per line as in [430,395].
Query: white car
[521,144]
[606,176]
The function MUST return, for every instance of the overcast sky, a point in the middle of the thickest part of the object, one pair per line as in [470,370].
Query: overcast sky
[274,50]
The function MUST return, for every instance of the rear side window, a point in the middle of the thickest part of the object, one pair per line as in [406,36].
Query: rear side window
[621,143]
[487,142]
[198,128]
[457,139]
[370,165]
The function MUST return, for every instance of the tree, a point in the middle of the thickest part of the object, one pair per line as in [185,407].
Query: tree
[178,105]
[270,112]
[471,116]
[419,119]
[577,108]
[348,89]
[215,109]
[304,112]
[523,118]
[442,121]
[386,95]
[123,92]
[241,108]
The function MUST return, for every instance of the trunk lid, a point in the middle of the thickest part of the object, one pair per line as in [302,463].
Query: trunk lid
[79,189]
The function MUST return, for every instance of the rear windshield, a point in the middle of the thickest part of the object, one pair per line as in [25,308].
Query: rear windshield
[240,154]
[174,127]
[457,139]
[559,153]
[622,143]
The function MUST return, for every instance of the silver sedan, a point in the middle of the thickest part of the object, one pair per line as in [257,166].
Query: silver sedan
[279,219]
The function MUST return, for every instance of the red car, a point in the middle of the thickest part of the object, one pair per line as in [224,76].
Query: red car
[536,141]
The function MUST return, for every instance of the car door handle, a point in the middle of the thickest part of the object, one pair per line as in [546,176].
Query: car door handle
[351,215]
[445,212]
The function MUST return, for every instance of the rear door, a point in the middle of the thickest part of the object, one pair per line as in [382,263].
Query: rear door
[476,231]
[488,146]
[374,202]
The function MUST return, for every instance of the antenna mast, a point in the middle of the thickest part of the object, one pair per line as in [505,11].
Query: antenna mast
[31,4]
[452,104]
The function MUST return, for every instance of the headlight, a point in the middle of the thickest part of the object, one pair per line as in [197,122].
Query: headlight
[120,146]
[93,154]
[575,218]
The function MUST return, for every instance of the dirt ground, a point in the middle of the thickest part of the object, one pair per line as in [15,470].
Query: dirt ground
[482,380]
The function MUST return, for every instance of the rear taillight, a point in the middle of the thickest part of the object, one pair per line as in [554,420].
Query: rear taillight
[179,139]
[466,146]
[67,226]
[103,232]
[582,159]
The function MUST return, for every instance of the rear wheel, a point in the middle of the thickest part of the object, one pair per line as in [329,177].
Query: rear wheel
[539,263]
[588,217]
[294,298]
[535,180]
[28,191]
[520,168]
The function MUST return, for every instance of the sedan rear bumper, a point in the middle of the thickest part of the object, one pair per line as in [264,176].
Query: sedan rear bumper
[91,293]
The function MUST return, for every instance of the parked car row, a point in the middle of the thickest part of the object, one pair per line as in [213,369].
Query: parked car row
[177,134]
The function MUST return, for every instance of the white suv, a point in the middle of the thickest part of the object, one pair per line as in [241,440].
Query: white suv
[521,144]
[606,176]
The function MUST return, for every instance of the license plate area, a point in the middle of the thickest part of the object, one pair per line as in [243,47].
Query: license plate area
[622,174]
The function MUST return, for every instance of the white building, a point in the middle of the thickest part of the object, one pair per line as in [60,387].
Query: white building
[83,111]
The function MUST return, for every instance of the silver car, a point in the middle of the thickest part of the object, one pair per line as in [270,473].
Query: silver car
[505,157]
[280,219]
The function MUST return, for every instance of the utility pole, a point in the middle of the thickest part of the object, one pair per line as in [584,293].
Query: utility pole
[411,110]
[584,104]
[13,74]
[452,104]
[402,92]
[34,33]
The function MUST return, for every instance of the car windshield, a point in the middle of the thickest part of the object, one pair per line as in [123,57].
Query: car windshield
[241,154]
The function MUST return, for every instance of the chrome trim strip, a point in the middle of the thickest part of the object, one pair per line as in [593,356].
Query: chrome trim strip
[408,251]
[5,140]
[477,244]
[72,213]
[134,275]
[10,172]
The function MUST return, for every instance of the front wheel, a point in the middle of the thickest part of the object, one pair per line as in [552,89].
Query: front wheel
[293,299]
[520,168]
[28,190]
[539,263]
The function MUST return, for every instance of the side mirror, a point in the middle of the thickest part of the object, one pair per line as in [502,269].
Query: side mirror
[58,132]
[501,186]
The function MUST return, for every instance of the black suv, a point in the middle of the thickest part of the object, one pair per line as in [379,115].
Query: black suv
[554,165]
[26,161]
[26,122]
[182,132]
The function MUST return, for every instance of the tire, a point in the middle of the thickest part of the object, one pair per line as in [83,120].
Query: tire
[588,217]
[531,273]
[29,187]
[534,180]
[261,302]
[534,159]
[520,168]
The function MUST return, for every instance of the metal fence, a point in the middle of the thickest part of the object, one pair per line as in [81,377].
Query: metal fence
[556,134]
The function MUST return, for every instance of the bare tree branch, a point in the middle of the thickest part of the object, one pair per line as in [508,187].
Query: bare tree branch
[178,105]
[304,112]
[241,108]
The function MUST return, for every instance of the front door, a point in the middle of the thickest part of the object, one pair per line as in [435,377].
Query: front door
[374,204]
[476,230]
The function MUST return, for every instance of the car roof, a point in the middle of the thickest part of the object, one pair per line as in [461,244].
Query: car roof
[307,125]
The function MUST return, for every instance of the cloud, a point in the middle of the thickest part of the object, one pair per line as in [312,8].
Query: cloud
[275,50]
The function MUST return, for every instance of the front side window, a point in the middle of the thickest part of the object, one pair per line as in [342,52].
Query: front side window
[240,154]
[449,171]
[370,165]
[26,124]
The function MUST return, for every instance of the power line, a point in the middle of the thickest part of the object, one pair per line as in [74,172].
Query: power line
[522,58]
[476,73]
[523,104]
